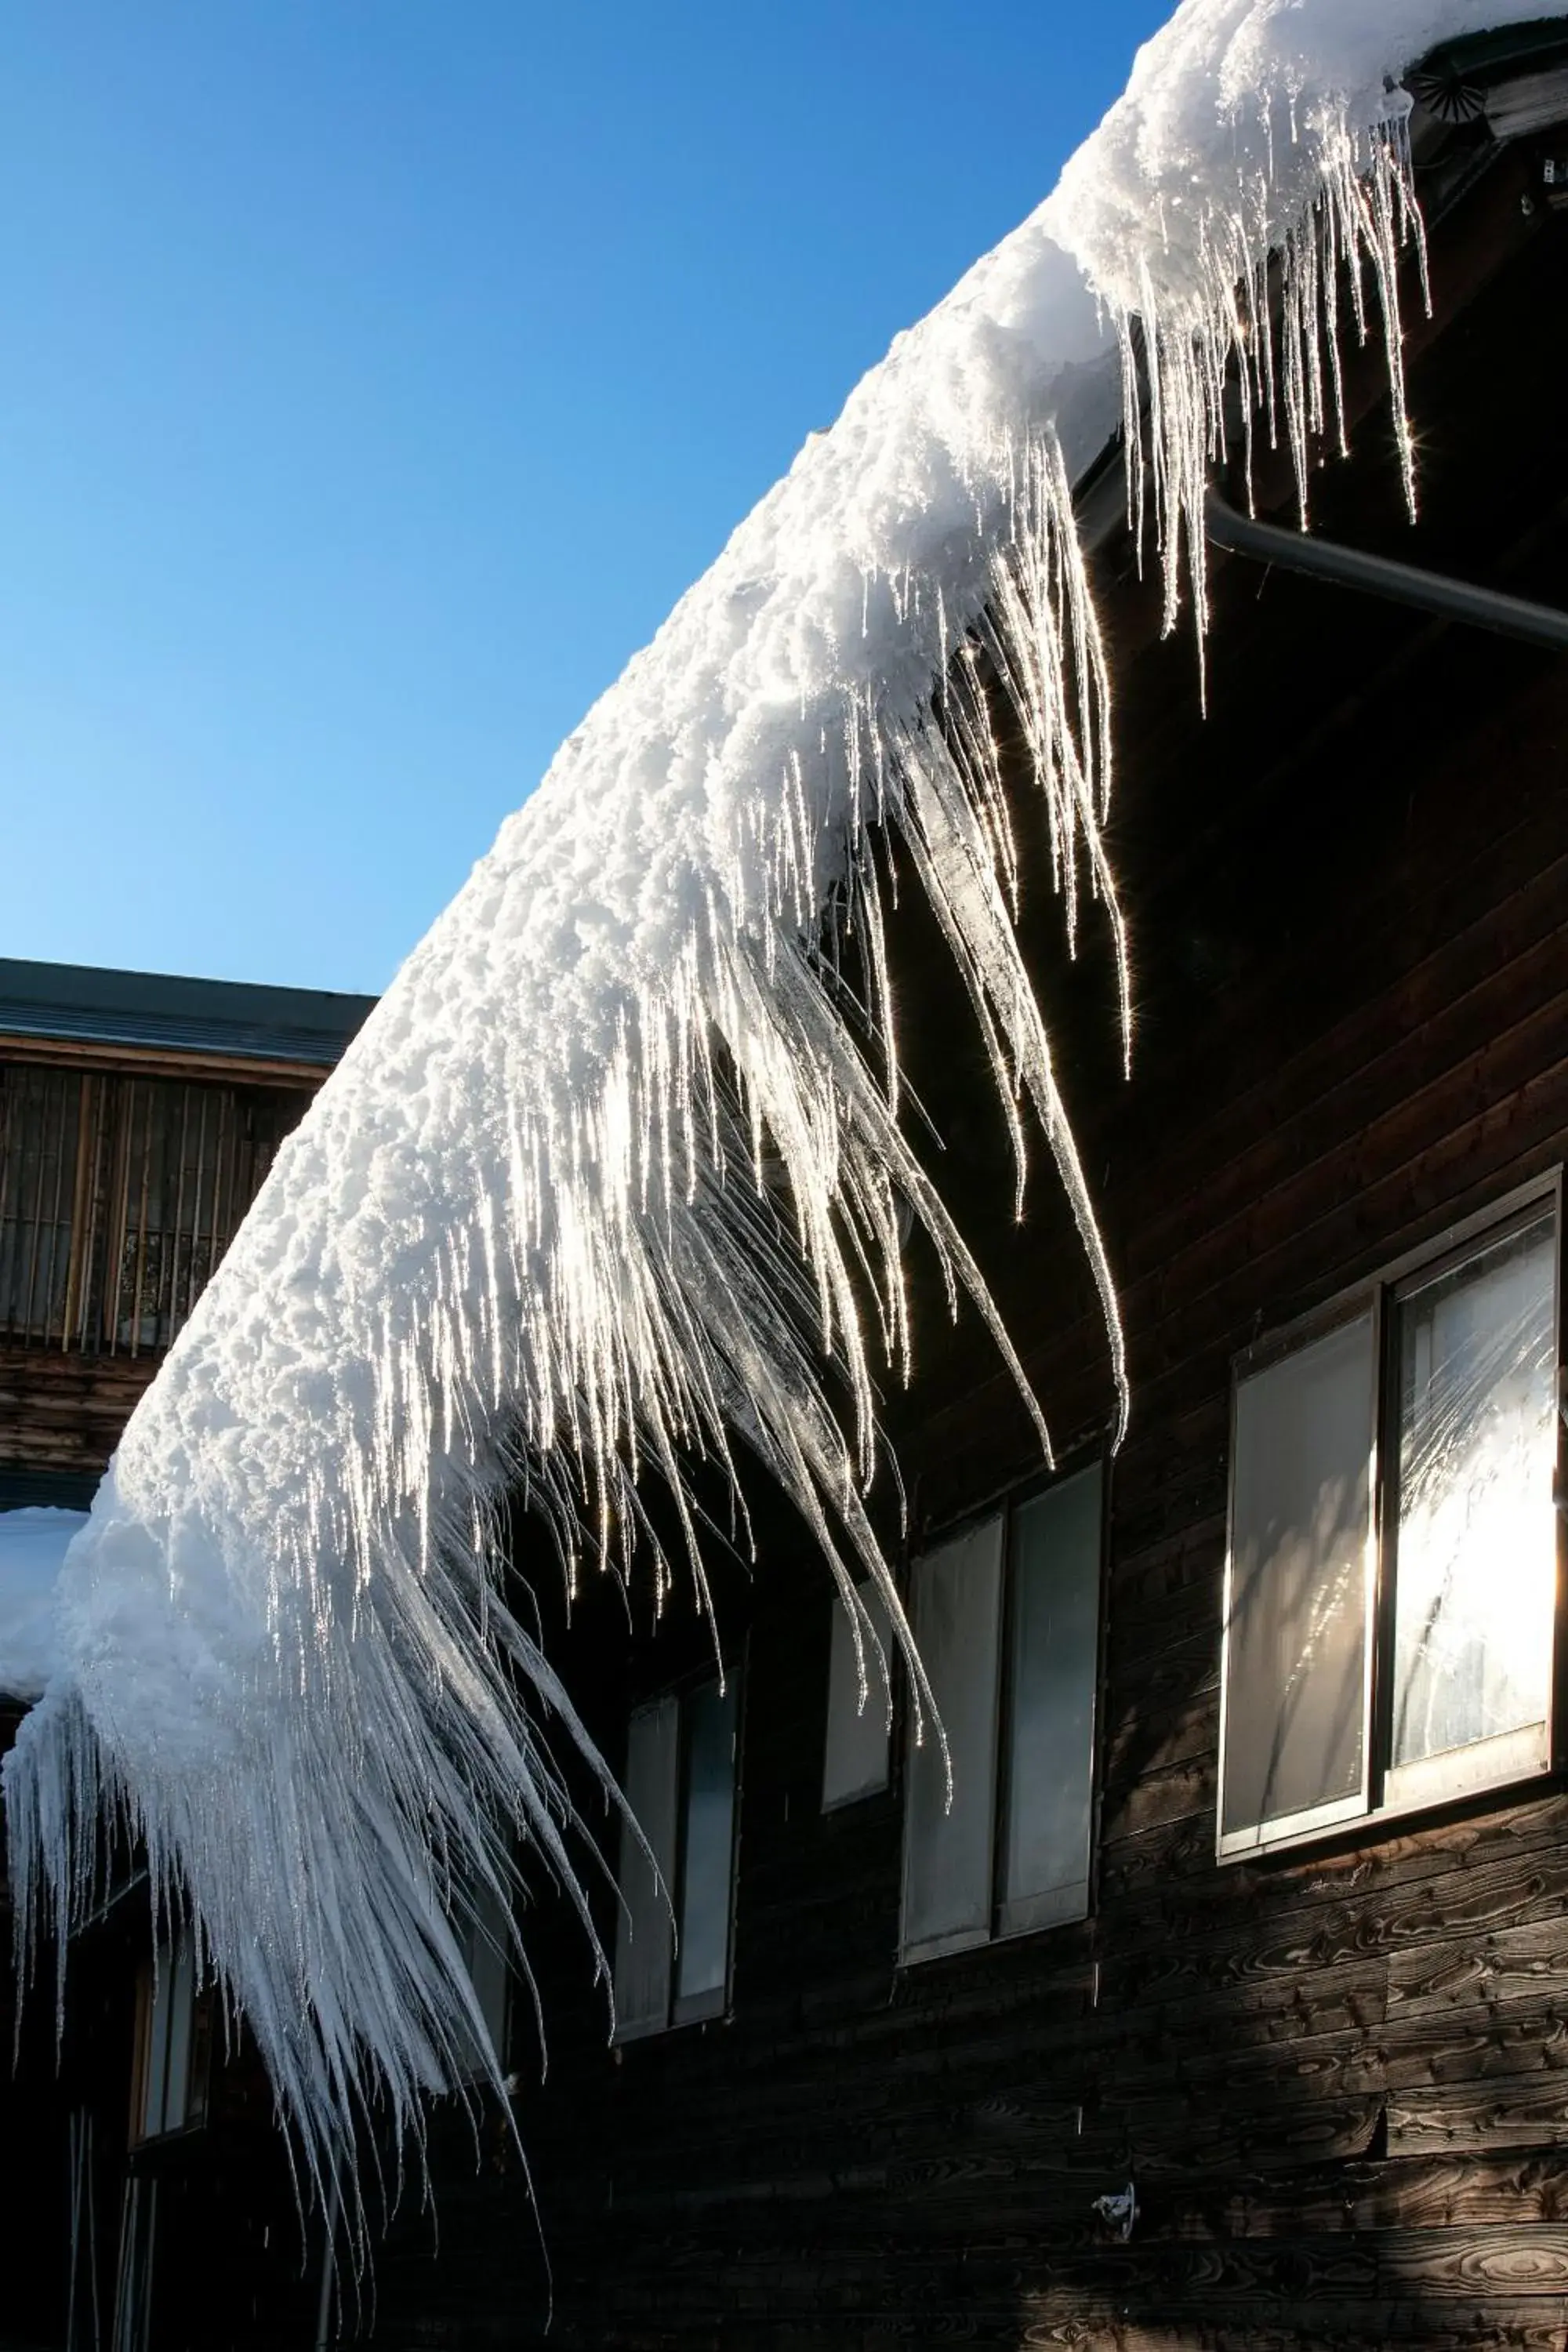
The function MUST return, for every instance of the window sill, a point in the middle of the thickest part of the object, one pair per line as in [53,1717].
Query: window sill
[696,2008]
[1063,1906]
[1511,1764]
[1058,1906]
[942,1947]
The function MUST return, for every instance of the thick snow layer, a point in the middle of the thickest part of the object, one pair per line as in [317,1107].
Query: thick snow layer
[614,1176]
[32,1547]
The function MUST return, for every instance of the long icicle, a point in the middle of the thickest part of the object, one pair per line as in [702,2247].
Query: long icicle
[613,1179]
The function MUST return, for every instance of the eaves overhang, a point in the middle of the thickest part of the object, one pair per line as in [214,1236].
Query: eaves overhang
[81,1013]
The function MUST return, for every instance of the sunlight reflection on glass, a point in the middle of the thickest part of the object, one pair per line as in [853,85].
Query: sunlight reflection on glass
[1476,1540]
[1295,1687]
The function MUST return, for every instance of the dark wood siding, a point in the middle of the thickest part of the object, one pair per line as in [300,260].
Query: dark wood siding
[1339,2078]
[64,1414]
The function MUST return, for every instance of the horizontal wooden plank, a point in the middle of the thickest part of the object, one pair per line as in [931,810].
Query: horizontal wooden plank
[1477,2044]
[1523,2111]
[1301,2327]
[1531,2260]
[1443,1019]
[1513,1964]
[1404,1888]
[1139,1740]
[1156,1795]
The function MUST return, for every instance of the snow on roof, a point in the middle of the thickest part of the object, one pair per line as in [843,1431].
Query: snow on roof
[614,1173]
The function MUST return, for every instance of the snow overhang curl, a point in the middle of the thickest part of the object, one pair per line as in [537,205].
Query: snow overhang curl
[614,1178]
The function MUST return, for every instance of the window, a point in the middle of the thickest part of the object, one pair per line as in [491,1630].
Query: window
[672,1940]
[118,1197]
[482,1924]
[173,2021]
[856,1757]
[1007,1617]
[1391,1585]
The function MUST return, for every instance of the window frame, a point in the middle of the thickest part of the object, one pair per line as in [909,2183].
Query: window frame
[482,1924]
[172,2040]
[880,1706]
[704,2006]
[1033,1914]
[1454,1774]
[938,1945]
[1037,1914]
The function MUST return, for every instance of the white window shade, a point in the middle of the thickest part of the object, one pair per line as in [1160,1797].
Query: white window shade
[948,1851]
[855,1761]
[1052,1672]
[1299,1591]
[644,1948]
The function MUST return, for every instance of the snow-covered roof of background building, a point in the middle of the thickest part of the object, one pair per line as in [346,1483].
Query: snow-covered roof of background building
[614,1175]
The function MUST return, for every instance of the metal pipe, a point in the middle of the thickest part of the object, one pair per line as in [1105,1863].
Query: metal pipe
[1379,575]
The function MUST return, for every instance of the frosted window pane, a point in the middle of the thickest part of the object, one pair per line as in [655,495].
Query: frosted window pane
[1475,1562]
[948,1854]
[1301,1503]
[642,1932]
[855,1761]
[179,1965]
[708,1843]
[1055,1646]
[154,2095]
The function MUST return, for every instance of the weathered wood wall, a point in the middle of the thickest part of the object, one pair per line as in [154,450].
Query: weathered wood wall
[1339,2078]
[62,1412]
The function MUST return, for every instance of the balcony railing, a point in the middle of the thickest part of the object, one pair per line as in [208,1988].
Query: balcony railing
[118,1197]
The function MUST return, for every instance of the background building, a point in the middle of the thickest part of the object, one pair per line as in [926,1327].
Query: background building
[139,1114]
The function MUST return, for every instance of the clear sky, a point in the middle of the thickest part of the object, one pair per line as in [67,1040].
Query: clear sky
[376,374]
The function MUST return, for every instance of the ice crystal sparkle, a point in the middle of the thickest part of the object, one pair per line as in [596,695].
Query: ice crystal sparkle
[607,1179]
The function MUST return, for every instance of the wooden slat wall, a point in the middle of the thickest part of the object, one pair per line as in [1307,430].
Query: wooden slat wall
[1339,2078]
[65,1397]
[119,1194]
[64,1412]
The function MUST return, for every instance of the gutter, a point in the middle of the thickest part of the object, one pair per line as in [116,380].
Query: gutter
[1380,575]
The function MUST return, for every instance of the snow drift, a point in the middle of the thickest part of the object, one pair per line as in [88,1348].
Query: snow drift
[33,1545]
[614,1178]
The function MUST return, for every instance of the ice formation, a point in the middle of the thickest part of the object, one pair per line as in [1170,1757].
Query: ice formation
[32,1548]
[614,1177]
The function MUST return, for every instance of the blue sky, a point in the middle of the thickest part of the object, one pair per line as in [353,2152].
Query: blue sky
[378,372]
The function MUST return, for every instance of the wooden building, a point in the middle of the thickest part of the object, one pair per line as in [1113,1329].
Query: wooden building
[139,1114]
[1228,2006]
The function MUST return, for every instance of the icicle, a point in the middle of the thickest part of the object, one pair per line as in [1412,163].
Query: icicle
[615,1180]
[1319,183]
[564,1240]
